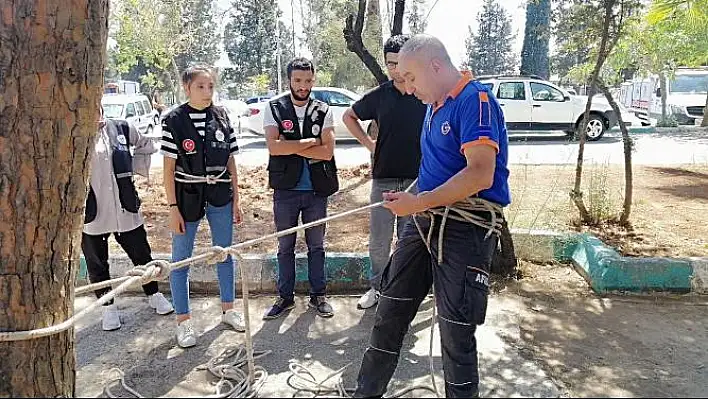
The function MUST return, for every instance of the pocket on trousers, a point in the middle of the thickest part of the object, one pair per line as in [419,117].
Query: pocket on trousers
[476,295]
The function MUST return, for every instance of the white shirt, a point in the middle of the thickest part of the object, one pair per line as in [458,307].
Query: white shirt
[269,120]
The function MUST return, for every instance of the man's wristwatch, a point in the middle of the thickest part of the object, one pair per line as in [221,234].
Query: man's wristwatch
[173,205]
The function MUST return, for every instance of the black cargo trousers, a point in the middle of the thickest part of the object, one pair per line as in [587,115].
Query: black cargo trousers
[461,283]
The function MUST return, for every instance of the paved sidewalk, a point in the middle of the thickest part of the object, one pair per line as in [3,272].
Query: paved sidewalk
[146,343]
[545,336]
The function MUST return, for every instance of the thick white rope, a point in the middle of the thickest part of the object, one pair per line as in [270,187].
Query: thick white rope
[208,179]
[226,366]
[159,269]
[145,274]
[303,380]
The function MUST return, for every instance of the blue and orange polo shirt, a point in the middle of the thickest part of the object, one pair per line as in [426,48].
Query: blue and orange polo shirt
[469,116]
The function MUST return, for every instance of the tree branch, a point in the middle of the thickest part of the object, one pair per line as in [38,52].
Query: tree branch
[628,144]
[355,44]
[397,27]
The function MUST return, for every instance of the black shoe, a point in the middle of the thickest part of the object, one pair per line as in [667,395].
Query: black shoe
[319,303]
[279,307]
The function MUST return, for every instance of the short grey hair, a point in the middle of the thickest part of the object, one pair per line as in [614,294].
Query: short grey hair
[428,45]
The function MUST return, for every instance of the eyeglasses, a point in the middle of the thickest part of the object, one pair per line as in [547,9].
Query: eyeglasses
[391,64]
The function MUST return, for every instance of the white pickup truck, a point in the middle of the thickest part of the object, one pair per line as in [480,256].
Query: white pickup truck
[532,104]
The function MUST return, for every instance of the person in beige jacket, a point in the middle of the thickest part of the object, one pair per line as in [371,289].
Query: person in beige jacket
[113,207]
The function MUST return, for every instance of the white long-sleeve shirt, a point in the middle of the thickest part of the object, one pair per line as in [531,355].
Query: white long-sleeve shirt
[110,216]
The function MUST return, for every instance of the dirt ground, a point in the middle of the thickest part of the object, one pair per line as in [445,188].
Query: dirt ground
[616,346]
[546,335]
[668,214]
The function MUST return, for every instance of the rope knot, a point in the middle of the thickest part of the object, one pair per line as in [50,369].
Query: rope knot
[219,255]
[153,271]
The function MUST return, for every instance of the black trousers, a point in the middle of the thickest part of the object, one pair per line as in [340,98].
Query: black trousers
[95,249]
[461,289]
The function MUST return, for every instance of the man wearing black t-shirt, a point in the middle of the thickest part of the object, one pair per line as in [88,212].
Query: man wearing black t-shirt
[396,155]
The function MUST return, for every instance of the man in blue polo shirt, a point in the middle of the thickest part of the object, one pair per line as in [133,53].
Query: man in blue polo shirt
[463,186]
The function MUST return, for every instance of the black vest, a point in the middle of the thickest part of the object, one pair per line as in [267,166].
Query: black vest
[284,170]
[119,140]
[201,156]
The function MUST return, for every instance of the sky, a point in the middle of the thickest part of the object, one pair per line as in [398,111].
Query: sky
[448,20]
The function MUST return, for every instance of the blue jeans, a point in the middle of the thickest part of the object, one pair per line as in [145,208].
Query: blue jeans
[288,205]
[221,225]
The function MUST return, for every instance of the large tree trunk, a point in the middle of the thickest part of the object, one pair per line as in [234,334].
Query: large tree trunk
[52,55]
[627,142]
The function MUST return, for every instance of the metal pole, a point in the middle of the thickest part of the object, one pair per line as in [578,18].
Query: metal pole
[292,15]
[277,53]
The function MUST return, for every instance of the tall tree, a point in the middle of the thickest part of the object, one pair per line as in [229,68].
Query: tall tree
[199,18]
[52,56]
[416,16]
[489,50]
[354,26]
[569,53]
[607,23]
[162,34]
[534,53]
[336,65]
[250,40]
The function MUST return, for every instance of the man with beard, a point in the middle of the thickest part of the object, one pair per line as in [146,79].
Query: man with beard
[299,133]
[396,156]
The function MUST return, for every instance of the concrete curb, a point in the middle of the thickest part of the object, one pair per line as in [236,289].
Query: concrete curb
[607,271]
[654,129]
[603,268]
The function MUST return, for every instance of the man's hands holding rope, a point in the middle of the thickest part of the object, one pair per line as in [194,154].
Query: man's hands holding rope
[403,203]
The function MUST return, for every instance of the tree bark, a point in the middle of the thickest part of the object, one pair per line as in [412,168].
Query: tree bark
[628,145]
[704,123]
[662,86]
[399,8]
[52,56]
[352,36]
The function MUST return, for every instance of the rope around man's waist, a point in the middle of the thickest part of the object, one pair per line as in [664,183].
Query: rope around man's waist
[468,211]
[194,179]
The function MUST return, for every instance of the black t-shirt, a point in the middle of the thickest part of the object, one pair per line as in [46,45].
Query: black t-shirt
[400,120]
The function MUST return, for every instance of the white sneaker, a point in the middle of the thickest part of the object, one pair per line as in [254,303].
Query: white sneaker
[369,299]
[111,319]
[186,336]
[161,305]
[233,319]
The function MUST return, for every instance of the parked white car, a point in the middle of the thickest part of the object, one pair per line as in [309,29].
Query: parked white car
[533,104]
[338,99]
[134,108]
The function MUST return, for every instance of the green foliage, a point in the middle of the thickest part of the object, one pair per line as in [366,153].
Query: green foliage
[160,36]
[416,10]
[323,37]
[534,53]
[251,41]
[489,50]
